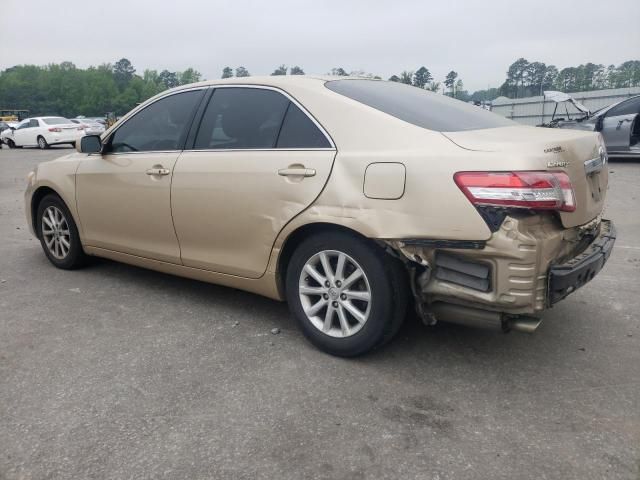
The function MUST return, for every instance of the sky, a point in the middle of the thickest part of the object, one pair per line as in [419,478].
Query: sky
[478,39]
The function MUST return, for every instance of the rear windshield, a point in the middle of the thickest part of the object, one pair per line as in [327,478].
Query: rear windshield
[55,120]
[418,106]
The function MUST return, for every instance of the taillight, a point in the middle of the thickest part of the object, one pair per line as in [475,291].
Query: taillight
[55,129]
[534,190]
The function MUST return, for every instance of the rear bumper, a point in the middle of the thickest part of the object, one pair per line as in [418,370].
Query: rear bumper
[63,137]
[567,277]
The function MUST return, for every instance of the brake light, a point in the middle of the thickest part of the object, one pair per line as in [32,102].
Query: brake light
[534,190]
[55,129]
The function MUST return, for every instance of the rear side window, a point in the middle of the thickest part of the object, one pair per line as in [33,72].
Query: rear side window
[242,118]
[418,106]
[161,126]
[55,121]
[299,131]
[628,107]
[33,123]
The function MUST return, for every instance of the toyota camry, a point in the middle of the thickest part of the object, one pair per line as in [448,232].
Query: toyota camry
[350,199]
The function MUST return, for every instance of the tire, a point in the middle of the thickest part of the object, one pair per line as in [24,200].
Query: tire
[11,143]
[66,257]
[42,143]
[384,279]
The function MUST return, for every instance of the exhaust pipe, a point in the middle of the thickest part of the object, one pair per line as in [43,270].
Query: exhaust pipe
[477,318]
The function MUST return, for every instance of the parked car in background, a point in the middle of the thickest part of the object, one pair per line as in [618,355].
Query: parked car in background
[619,125]
[42,132]
[89,126]
[345,197]
[5,126]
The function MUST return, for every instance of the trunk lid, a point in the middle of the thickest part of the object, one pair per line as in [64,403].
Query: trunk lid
[577,153]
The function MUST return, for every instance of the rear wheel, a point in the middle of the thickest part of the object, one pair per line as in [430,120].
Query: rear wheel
[347,294]
[42,143]
[58,234]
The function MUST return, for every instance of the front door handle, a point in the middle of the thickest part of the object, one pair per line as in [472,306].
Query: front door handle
[158,171]
[297,172]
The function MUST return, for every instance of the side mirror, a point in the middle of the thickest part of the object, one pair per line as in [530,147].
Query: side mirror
[89,144]
[12,128]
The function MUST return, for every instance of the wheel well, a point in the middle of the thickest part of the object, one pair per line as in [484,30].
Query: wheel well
[297,237]
[36,198]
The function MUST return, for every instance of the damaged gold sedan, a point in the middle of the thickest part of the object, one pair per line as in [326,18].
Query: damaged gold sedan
[348,198]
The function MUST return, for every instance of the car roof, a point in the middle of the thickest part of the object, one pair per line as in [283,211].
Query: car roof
[282,81]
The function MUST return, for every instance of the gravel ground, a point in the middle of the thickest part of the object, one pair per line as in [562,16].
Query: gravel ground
[118,372]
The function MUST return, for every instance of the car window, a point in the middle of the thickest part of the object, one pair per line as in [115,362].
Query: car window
[418,106]
[24,124]
[242,118]
[299,131]
[163,125]
[33,123]
[55,121]
[628,107]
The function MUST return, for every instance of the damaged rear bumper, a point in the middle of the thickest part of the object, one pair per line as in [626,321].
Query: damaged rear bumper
[576,272]
[527,265]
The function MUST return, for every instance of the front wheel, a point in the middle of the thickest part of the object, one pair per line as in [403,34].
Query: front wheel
[58,234]
[347,294]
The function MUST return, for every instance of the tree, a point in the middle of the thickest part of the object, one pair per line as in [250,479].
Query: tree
[169,79]
[433,86]
[296,71]
[123,72]
[450,81]
[242,72]
[515,77]
[189,76]
[460,93]
[394,78]
[406,77]
[534,78]
[281,70]
[422,77]
[485,95]
[339,72]
[227,72]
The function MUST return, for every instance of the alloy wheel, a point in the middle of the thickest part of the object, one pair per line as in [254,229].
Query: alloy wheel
[335,293]
[56,233]
[42,143]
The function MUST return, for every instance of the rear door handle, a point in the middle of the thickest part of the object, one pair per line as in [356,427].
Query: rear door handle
[297,172]
[158,171]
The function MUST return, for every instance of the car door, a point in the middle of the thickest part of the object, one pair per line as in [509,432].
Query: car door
[25,133]
[617,125]
[123,194]
[258,160]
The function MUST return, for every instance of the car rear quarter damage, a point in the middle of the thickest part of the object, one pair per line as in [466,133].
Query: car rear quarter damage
[509,274]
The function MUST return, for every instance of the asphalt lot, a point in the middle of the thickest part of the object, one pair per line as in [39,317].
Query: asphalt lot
[117,372]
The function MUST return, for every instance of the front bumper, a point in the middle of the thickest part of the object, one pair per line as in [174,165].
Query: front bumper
[567,277]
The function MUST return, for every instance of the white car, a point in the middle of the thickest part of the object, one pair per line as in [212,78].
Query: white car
[42,132]
[90,126]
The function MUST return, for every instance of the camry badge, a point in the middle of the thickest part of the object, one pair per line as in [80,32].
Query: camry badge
[557,164]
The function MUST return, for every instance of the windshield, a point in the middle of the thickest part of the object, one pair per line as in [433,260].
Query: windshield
[418,106]
[55,120]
